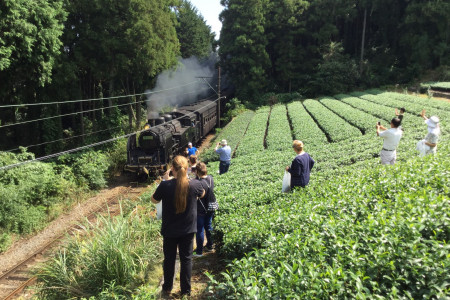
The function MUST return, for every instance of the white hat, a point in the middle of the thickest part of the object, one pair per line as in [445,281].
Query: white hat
[223,142]
[432,121]
[189,144]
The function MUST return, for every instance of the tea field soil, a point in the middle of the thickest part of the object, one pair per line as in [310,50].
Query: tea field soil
[25,247]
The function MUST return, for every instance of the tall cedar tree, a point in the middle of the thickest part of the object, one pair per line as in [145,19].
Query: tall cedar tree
[195,36]
[30,42]
[243,44]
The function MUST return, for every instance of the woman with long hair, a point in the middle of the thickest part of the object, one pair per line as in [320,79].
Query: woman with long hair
[204,216]
[179,222]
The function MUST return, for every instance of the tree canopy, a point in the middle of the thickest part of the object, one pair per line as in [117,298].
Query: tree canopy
[305,45]
[193,33]
[58,50]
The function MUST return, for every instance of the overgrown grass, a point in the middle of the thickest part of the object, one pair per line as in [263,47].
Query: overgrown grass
[111,259]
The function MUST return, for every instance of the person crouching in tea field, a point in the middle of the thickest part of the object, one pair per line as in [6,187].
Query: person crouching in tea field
[205,212]
[300,167]
[391,138]
[179,222]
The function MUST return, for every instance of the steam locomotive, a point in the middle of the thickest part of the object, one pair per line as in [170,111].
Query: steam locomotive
[168,135]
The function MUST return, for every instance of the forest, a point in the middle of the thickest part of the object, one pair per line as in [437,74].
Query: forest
[68,51]
[64,51]
[329,46]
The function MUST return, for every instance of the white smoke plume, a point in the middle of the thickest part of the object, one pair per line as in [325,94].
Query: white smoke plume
[167,91]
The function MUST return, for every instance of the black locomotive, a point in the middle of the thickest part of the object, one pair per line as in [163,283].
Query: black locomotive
[168,135]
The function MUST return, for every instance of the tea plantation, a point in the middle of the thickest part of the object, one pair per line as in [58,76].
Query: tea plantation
[359,230]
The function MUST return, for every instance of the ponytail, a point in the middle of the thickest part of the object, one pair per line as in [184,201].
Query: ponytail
[180,164]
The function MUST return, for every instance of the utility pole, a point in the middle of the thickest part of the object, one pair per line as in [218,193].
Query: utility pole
[362,43]
[218,101]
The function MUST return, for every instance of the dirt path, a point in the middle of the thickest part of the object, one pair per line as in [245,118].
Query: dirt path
[208,263]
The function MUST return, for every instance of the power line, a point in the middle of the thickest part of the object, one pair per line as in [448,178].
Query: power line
[79,112]
[96,99]
[63,139]
[95,144]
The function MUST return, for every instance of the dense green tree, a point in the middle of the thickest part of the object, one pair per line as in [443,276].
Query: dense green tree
[122,42]
[425,39]
[115,48]
[285,48]
[195,36]
[30,42]
[243,43]
[393,41]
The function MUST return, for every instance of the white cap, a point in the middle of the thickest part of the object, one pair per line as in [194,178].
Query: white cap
[189,144]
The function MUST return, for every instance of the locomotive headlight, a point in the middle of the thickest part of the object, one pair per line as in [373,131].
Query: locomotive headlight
[146,126]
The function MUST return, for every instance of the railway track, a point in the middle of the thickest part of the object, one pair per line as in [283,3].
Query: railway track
[18,277]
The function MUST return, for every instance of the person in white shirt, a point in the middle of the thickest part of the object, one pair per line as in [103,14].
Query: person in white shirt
[391,138]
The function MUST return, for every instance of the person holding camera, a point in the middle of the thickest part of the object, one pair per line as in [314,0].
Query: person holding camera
[400,114]
[301,166]
[391,136]
[225,156]
[179,222]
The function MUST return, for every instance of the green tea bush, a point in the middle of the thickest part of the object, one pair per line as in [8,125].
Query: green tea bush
[303,126]
[378,235]
[279,135]
[253,141]
[359,230]
[233,133]
[357,118]
[334,126]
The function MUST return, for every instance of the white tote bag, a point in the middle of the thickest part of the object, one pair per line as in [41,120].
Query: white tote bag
[421,147]
[159,210]
[286,186]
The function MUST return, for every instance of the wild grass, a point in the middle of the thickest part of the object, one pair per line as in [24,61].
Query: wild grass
[115,256]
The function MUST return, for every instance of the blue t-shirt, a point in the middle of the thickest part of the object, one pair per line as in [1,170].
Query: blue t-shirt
[224,153]
[191,151]
[300,169]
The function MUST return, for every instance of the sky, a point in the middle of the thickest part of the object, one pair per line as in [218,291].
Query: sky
[210,10]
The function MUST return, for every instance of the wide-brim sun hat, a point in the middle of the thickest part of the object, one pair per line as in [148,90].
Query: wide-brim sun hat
[432,121]
[223,142]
